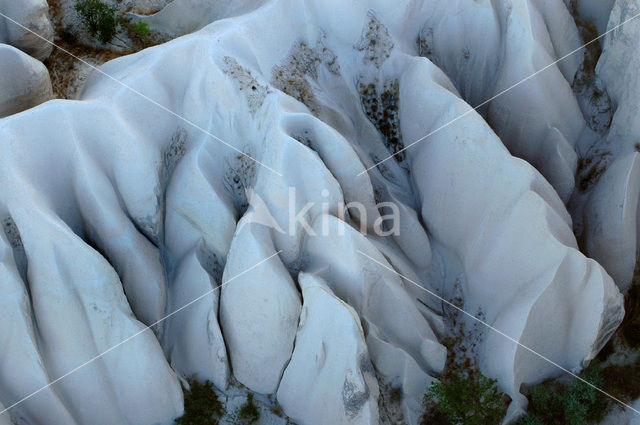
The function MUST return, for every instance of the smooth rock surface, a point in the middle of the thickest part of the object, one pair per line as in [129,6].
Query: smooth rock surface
[329,379]
[259,312]
[32,16]
[24,81]
[128,212]
[491,50]
[610,210]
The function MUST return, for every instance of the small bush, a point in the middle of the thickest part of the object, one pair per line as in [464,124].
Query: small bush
[575,404]
[99,19]
[531,420]
[468,401]
[201,405]
[249,412]
[140,30]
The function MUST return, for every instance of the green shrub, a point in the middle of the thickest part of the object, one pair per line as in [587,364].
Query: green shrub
[575,404]
[201,405]
[99,19]
[547,405]
[140,30]
[531,420]
[249,412]
[468,401]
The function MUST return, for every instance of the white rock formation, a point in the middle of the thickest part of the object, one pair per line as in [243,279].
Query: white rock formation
[125,213]
[595,12]
[32,16]
[197,348]
[24,81]
[64,305]
[329,379]
[610,211]
[259,312]
[389,315]
[486,47]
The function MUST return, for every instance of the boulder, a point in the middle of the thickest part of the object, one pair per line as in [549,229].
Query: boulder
[330,379]
[24,81]
[32,16]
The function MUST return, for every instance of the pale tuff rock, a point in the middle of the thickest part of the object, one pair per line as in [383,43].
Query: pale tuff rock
[126,213]
[469,160]
[85,313]
[374,292]
[329,379]
[33,15]
[195,239]
[486,47]
[196,347]
[611,199]
[595,12]
[259,332]
[24,81]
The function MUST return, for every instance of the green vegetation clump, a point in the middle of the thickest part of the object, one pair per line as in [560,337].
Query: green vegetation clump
[249,412]
[574,404]
[468,400]
[99,19]
[531,420]
[201,405]
[140,30]
[464,395]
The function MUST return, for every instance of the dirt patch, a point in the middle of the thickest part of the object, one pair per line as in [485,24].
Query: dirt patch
[68,74]
[381,105]
[301,67]
[375,42]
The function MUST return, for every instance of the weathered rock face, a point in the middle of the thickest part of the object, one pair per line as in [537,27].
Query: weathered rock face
[595,12]
[259,332]
[609,208]
[330,379]
[24,81]
[450,164]
[128,212]
[488,47]
[32,14]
